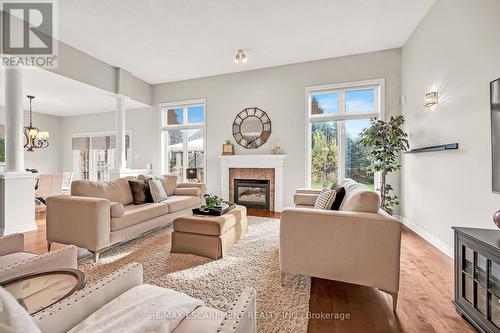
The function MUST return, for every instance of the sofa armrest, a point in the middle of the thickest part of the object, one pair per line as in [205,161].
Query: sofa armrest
[360,248]
[65,257]
[192,191]
[241,318]
[66,314]
[305,199]
[81,221]
[11,243]
[308,191]
[192,184]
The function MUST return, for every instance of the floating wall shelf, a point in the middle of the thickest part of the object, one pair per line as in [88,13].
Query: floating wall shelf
[449,146]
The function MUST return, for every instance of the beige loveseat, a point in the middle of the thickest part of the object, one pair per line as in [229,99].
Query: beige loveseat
[358,244]
[73,310]
[98,215]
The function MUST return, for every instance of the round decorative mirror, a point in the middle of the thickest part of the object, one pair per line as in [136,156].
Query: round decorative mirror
[251,128]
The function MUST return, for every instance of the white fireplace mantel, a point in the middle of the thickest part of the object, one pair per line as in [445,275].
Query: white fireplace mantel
[276,162]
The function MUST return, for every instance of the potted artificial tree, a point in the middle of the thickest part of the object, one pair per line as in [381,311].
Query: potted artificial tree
[385,141]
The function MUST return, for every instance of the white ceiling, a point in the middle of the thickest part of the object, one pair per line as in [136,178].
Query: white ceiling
[60,96]
[169,40]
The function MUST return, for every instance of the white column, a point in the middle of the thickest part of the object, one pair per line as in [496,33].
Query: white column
[121,162]
[14,148]
[17,187]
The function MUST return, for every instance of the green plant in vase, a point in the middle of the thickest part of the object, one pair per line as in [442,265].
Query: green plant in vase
[385,141]
[211,200]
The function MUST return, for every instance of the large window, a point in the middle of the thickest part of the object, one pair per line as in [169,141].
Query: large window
[94,155]
[337,114]
[183,139]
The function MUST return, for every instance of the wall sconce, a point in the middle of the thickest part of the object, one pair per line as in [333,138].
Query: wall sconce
[431,99]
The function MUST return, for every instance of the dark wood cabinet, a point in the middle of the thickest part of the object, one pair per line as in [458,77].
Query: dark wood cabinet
[477,277]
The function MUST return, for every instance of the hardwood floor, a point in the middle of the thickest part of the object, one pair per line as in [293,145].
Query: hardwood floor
[424,299]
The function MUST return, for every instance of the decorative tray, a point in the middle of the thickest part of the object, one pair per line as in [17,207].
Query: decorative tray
[216,211]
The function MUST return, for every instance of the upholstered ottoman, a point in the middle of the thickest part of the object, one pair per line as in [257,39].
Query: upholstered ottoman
[209,236]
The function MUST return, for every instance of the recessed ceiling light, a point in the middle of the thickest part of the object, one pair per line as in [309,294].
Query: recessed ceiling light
[240,57]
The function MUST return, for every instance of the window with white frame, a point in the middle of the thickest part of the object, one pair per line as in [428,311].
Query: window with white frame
[183,139]
[336,116]
[94,155]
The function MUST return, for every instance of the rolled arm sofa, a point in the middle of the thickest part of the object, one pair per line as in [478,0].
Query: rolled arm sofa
[98,215]
[15,261]
[65,315]
[359,244]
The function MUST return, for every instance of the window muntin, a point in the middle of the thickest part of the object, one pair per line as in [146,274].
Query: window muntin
[333,135]
[183,139]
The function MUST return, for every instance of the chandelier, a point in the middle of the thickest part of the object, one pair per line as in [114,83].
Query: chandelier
[35,139]
[240,57]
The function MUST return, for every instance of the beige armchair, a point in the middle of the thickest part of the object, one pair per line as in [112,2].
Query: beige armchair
[358,244]
[65,315]
[14,261]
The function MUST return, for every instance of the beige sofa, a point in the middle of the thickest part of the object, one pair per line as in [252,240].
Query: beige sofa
[65,315]
[358,244]
[98,215]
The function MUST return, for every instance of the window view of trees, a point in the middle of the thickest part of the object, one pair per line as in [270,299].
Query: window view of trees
[183,135]
[325,154]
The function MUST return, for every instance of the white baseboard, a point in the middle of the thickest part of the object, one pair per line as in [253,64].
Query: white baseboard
[18,229]
[436,242]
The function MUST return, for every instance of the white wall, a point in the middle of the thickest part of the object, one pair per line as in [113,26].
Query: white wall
[456,50]
[47,160]
[142,122]
[280,91]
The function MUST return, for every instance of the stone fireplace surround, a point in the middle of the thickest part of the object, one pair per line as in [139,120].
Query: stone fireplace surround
[253,173]
[254,167]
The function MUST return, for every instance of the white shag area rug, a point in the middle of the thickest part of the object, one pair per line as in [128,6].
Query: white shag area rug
[252,262]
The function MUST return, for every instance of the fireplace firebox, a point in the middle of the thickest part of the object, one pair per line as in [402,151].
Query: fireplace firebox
[252,193]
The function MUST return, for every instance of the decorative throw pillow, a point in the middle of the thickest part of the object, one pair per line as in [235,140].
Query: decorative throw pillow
[140,191]
[339,197]
[157,191]
[325,199]
[116,209]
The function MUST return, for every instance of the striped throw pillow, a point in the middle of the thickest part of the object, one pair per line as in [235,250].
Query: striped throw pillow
[157,190]
[325,199]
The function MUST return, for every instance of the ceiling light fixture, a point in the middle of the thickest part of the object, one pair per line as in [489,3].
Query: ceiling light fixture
[34,138]
[240,57]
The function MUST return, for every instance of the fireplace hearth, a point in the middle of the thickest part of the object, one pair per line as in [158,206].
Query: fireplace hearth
[252,193]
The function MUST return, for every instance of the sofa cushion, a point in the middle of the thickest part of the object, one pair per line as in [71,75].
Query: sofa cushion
[339,198]
[157,191]
[187,191]
[116,190]
[324,199]
[176,203]
[362,201]
[144,308]
[116,209]
[13,258]
[169,182]
[140,191]
[138,213]
[203,319]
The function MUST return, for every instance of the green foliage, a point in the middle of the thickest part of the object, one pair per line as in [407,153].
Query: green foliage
[2,150]
[211,200]
[324,154]
[385,141]
[357,164]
